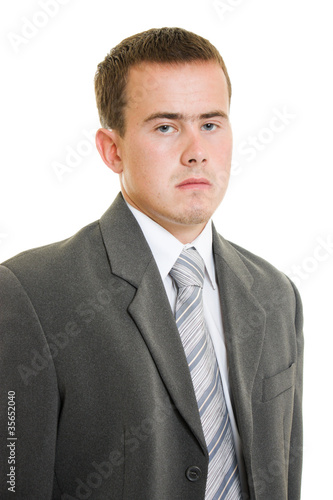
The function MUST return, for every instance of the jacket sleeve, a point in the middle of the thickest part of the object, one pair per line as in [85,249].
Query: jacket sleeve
[29,397]
[296,440]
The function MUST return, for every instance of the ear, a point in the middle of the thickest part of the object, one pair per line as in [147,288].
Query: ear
[107,143]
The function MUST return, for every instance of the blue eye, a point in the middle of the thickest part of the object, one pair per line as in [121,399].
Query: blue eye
[164,129]
[209,126]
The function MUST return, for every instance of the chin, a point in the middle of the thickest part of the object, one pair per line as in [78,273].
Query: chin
[194,216]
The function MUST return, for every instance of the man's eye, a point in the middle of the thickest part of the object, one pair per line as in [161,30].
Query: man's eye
[165,129]
[209,126]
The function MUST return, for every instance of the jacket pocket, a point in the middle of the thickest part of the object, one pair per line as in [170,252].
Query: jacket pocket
[273,386]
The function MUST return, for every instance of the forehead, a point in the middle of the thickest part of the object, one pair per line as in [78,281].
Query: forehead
[179,87]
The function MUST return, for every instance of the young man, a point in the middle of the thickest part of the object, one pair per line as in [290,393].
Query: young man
[147,357]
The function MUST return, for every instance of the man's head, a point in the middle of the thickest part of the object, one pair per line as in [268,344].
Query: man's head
[164,45]
[172,149]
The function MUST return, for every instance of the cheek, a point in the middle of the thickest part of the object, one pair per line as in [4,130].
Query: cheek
[151,165]
[143,177]
[143,154]
[223,165]
[228,158]
[226,154]
[222,158]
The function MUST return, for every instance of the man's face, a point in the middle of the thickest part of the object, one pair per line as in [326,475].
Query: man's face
[176,150]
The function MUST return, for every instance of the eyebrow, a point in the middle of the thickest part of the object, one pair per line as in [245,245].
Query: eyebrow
[180,116]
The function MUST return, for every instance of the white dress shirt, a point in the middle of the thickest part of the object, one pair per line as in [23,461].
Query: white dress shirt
[166,250]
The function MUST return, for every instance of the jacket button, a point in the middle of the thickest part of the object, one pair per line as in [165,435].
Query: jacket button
[193,473]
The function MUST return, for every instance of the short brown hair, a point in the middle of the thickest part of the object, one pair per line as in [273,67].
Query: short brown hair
[164,45]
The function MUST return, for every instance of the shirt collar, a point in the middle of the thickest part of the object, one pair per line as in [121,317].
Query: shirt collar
[166,248]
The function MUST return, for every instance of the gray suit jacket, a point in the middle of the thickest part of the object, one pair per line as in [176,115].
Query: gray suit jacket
[104,403]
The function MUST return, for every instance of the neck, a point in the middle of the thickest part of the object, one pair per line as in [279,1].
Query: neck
[185,234]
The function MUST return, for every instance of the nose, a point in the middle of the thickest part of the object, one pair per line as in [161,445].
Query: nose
[194,152]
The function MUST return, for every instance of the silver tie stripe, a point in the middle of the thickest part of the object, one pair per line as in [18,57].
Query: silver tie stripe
[223,476]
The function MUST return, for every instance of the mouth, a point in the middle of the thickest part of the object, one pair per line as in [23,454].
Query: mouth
[194,183]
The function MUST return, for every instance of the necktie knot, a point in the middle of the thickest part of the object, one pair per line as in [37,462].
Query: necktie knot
[188,269]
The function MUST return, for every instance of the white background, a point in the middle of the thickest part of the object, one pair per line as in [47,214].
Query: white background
[279,203]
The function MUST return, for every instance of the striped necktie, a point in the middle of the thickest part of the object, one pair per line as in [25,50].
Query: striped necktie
[223,476]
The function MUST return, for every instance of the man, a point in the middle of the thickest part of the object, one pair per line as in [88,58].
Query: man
[147,357]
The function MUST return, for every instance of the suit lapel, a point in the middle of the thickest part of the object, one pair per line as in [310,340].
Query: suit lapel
[131,259]
[244,322]
[152,314]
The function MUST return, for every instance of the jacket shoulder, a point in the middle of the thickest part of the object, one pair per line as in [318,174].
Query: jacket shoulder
[266,282]
[254,261]
[57,259]
[264,276]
